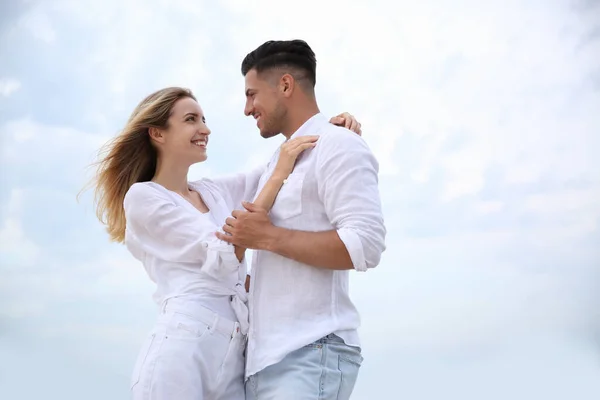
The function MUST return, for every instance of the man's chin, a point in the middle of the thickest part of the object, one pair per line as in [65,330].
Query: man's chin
[267,134]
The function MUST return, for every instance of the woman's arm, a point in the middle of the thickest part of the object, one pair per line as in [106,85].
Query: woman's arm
[288,153]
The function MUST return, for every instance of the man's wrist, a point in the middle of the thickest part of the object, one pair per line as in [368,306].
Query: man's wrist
[274,236]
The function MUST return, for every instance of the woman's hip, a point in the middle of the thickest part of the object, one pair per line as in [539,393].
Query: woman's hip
[191,353]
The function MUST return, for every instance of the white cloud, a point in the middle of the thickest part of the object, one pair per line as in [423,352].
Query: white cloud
[26,142]
[487,207]
[39,25]
[16,249]
[9,86]
[483,118]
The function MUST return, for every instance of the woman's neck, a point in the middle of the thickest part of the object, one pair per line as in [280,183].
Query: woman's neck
[172,175]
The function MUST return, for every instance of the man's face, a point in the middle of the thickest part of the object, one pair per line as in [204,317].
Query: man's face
[265,104]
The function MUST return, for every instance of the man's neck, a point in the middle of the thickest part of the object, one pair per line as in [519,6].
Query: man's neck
[298,117]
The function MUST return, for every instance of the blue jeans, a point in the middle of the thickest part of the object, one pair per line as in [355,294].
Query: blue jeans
[324,370]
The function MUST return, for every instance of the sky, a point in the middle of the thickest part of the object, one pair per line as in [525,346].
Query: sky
[481,115]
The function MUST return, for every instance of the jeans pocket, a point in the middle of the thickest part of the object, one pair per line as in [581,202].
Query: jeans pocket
[348,365]
[141,360]
[183,326]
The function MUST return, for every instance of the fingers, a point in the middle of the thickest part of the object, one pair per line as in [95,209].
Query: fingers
[355,127]
[300,148]
[253,208]
[339,121]
[349,121]
[225,238]
[352,124]
[289,146]
[228,229]
[231,221]
[303,139]
[250,206]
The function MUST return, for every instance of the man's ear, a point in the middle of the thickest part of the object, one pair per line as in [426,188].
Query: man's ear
[287,85]
[156,135]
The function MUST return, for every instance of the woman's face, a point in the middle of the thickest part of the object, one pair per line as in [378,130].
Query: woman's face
[186,137]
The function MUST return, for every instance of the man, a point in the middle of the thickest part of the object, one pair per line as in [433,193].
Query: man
[303,341]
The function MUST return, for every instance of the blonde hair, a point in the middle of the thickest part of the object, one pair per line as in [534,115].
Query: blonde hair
[130,157]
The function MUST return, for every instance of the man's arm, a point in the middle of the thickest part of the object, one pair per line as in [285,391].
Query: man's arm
[319,249]
[348,186]
[253,229]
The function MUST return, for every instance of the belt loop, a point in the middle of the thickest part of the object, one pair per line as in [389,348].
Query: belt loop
[215,323]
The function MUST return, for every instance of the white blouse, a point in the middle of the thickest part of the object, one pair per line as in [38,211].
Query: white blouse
[177,244]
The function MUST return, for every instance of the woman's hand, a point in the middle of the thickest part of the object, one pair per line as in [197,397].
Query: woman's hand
[289,152]
[348,121]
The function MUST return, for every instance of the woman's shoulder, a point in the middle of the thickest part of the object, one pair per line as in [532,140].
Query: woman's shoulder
[206,185]
[145,192]
[140,189]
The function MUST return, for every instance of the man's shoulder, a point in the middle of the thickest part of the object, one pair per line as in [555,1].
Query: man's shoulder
[332,136]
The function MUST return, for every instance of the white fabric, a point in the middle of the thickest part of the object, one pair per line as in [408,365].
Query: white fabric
[191,354]
[333,186]
[178,248]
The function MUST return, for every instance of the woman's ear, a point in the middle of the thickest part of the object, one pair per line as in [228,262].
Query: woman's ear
[156,135]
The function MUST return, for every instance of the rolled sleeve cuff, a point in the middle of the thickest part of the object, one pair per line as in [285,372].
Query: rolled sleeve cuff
[221,258]
[355,248]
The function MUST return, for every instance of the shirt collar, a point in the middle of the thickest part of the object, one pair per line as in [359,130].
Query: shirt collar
[305,128]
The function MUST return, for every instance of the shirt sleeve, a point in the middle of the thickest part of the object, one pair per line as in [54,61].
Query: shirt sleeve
[239,187]
[347,181]
[167,231]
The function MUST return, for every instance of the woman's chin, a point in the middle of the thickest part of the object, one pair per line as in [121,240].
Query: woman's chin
[201,158]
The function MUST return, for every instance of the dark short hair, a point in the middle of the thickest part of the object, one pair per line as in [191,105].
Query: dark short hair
[295,54]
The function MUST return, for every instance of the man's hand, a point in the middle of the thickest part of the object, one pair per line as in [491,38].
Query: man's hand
[251,229]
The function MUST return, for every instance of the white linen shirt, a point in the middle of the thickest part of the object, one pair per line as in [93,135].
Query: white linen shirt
[333,186]
[177,244]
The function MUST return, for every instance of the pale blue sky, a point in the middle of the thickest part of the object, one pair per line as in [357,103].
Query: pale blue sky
[483,115]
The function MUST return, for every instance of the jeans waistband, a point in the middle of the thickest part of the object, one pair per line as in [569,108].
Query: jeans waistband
[210,318]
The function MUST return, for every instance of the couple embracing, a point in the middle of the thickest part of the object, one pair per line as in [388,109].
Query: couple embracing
[311,214]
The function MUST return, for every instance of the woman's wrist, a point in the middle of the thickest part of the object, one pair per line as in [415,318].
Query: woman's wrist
[278,177]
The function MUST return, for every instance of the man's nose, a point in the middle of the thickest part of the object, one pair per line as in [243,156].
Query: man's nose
[248,109]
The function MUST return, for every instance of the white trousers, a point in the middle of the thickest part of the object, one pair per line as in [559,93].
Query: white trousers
[192,353]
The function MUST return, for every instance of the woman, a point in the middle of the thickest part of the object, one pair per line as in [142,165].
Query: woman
[195,350]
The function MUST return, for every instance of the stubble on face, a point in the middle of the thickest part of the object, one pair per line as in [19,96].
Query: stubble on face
[274,122]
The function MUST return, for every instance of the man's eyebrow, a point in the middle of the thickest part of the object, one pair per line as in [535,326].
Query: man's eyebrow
[191,113]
